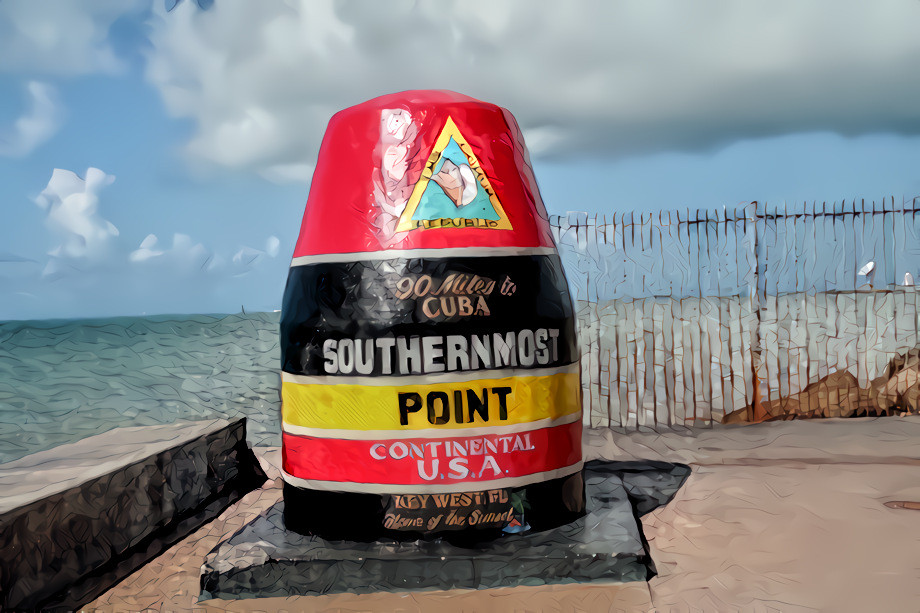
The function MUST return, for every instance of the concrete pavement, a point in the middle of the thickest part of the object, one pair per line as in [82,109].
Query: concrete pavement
[781,516]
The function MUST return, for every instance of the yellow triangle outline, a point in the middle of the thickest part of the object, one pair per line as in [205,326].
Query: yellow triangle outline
[450,130]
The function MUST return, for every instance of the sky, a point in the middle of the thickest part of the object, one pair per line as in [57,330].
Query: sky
[155,156]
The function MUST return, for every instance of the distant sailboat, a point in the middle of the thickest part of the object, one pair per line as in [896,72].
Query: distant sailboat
[908,280]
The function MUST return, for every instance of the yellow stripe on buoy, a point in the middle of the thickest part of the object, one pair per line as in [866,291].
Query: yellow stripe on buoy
[461,404]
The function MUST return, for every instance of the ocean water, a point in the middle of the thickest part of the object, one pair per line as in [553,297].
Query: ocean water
[61,381]
[646,362]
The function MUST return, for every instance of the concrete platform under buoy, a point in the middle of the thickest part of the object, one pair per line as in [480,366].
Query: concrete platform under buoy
[263,559]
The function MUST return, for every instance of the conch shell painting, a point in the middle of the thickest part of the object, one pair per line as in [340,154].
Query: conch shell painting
[458,182]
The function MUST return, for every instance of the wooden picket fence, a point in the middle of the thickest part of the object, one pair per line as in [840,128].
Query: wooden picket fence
[685,316]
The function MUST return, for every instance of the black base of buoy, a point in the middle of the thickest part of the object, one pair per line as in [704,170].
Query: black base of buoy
[360,517]
[334,516]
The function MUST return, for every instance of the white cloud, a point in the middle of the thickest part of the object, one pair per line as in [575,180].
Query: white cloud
[88,241]
[272,245]
[262,79]
[6,256]
[93,269]
[40,122]
[288,173]
[146,250]
[60,37]
[249,258]
[71,206]
[16,266]
[184,257]
[189,258]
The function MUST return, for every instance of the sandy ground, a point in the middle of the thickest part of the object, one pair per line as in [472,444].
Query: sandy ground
[789,537]
[788,516]
[785,516]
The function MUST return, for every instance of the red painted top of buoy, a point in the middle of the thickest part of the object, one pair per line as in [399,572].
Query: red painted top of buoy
[422,170]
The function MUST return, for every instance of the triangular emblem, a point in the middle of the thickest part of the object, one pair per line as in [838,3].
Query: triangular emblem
[453,191]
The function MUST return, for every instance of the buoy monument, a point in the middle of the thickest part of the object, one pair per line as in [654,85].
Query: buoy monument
[430,372]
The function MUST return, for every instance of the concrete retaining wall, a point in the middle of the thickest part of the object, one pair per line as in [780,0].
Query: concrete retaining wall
[77,518]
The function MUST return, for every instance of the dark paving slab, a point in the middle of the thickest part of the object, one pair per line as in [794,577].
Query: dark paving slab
[77,518]
[264,560]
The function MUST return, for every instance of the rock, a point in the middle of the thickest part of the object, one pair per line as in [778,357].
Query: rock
[836,395]
[741,416]
[897,390]
[910,399]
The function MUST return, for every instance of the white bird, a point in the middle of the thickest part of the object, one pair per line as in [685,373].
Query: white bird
[908,280]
